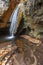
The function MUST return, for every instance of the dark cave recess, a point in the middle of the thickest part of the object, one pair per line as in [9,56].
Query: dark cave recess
[5,35]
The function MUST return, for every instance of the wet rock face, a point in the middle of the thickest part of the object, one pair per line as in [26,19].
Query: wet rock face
[33,17]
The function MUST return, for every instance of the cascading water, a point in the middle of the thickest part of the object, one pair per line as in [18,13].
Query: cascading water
[14,20]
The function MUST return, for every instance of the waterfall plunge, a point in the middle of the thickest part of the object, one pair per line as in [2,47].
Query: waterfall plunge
[14,20]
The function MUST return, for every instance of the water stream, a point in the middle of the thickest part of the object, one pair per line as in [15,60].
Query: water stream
[14,20]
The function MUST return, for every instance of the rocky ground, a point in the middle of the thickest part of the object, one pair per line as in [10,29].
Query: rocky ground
[30,55]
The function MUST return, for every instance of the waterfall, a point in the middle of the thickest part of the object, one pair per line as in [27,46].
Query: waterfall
[14,20]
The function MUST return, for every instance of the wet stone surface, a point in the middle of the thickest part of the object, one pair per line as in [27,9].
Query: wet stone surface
[30,55]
